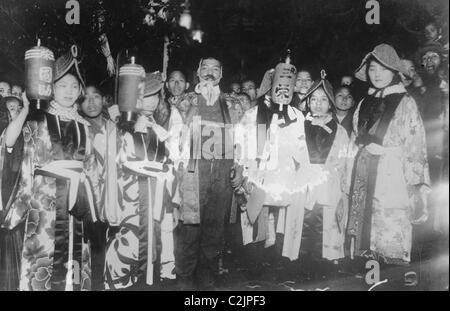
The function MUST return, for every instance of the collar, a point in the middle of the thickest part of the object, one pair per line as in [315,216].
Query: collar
[210,92]
[389,90]
[66,113]
[290,111]
[96,129]
[173,100]
[322,122]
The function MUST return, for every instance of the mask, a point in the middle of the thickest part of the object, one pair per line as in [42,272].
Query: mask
[283,83]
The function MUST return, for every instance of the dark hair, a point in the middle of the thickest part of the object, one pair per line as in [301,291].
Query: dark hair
[180,71]
[244,95]
[13,98]
[82,98]
[304,70]
[433,22]
[97,89]
[248,80]
[210,58]
[330,101]
[341,87]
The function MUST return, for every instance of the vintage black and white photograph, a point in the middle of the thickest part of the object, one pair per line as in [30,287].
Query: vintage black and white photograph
[240,146]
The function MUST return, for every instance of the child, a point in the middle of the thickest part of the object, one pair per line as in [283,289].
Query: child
[325,214]
[344,103]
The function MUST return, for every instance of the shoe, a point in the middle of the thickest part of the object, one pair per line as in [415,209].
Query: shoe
[184,283]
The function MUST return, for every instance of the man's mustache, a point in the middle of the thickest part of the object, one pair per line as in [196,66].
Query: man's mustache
[209,77]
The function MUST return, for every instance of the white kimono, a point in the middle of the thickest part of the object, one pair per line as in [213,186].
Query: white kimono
[281,177]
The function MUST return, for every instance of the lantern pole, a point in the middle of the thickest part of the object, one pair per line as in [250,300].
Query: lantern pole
[165,58]
[38,101]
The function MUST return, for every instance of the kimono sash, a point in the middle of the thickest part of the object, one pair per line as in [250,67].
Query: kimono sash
[152,208]
[163,175]
[364,177]
[73,172]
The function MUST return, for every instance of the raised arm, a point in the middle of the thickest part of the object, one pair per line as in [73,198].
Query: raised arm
[15,126]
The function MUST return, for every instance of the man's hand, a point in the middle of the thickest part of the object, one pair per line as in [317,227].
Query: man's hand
[142,124]
[114,112]
[443,86]
[422,219]
[238,176]
[176,215]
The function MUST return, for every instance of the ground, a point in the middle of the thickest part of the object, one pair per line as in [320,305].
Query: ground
[430,263]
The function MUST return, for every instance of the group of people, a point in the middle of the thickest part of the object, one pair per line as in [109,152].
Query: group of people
[90,200]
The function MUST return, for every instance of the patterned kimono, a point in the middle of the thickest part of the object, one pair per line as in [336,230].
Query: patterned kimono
[272,149]
[11,241]
[384,188]
[183,103]
[327,207]
[54,197]
[144,231]
[104,143]
[105,150]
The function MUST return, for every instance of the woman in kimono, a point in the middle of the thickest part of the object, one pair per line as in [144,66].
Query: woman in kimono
[54,196]
[11,241]
[325,213]
[145,178]
[390,173]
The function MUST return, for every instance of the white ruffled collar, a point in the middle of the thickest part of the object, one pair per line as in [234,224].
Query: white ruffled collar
[66,113]
[209,91]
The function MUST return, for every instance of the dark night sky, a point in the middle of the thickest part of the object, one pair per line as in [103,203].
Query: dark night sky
[249,36]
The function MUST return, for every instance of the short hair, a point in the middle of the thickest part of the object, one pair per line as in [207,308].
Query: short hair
[304,70]
[245,95]
[341,87]
[248,80]
[210,58]
[177,70]
[97,89]
[433,22]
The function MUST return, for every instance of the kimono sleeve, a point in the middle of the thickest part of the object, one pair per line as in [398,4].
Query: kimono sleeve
[415,163]
[343,143]
[91,167]
[15,192]
[174,141]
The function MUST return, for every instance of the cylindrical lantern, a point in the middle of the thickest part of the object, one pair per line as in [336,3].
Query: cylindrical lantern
[39,73]
[131,90]
[284,82]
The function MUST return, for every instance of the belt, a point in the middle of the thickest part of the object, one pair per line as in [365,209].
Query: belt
[164,177]
[73,171]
